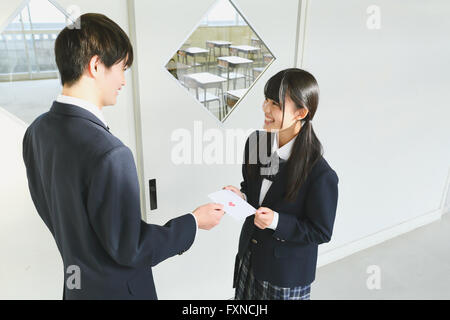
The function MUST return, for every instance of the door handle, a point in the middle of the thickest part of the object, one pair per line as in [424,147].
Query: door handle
[153,196]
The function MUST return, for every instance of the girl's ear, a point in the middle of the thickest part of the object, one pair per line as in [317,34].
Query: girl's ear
[301,113]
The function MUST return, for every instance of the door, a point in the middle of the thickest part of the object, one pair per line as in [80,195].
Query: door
[198,99]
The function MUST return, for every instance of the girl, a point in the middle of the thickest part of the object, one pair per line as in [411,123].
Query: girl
[295,189]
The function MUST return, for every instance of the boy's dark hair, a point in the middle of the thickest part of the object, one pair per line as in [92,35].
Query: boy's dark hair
[96,35]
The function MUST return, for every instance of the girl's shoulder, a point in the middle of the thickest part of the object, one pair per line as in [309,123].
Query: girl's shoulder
[322,167]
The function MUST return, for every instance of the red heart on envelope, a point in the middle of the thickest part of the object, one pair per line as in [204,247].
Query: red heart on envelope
[231,204]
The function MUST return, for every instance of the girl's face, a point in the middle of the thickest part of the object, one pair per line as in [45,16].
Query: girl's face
[274,114]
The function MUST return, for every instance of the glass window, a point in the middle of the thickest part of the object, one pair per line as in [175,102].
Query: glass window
[28,74]
[220,60]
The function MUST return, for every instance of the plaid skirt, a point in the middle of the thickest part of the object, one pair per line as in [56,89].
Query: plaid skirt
[249,288]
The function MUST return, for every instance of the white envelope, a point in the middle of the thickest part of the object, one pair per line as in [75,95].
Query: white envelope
[233,205]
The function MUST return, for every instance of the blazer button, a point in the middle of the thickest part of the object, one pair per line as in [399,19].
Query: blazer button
[254,241]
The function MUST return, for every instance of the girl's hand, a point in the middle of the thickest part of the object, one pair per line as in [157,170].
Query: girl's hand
[263,217]
[235,190]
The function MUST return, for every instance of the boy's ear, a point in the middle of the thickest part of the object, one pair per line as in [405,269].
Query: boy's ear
[93,66]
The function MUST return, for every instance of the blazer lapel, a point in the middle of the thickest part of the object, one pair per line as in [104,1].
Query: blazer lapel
[275,191]
[263,143]
[277,187]
[257,191]
[75,111]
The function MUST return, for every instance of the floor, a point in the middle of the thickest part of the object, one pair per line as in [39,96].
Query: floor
[415,265]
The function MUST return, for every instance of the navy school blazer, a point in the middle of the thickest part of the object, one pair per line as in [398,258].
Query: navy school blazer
[287,256]
[84,184]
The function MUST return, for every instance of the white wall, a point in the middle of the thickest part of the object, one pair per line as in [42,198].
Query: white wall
[383,114]
[31,266]
[446,197]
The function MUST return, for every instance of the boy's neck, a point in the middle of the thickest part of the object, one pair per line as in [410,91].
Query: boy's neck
[82,91]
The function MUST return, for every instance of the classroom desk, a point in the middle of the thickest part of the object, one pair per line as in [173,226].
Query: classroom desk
[233,96]
[194,52]
[205,81]
[245,49]
[234,62]
[267,58]
[177,69]
[213,44]
[257,71]
[256,42]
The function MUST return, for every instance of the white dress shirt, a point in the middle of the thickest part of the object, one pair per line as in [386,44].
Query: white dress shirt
[89,106]
[284,152]
[92,108]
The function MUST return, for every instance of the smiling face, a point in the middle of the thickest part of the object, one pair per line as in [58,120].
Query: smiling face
[273,114]
[110,81]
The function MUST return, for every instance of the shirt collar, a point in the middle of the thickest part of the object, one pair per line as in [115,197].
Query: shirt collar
[89,106]
[285,151]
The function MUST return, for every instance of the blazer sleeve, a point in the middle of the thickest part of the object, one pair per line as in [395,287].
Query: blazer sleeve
[34,182]
[113,208]
[317,225]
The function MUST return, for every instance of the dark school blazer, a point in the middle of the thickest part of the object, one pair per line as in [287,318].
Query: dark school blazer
[84,184]
[287,256]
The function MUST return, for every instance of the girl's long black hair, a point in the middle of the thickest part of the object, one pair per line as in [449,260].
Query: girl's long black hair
[302,88]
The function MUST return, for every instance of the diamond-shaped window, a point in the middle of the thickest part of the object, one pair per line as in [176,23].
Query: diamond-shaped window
[220,60]
[28,72]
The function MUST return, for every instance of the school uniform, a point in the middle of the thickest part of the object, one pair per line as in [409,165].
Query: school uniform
[84,184]
[280,261]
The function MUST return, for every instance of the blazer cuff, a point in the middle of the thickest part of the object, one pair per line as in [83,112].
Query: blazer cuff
[274,223]
[196,227]
[195,234]
[285,224]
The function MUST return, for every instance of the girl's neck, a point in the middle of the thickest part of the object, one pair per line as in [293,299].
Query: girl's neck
[286,135]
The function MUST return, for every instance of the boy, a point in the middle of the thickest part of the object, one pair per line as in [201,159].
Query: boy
[83,180]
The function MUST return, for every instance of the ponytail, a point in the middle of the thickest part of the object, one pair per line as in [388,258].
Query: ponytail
[306,150]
